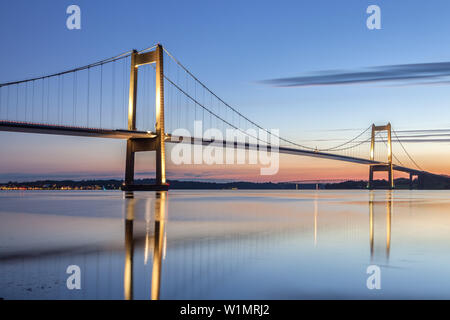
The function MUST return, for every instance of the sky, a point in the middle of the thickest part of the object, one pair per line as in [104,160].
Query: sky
[237,48]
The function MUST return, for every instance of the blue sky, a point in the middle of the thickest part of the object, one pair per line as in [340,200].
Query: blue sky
[231,46]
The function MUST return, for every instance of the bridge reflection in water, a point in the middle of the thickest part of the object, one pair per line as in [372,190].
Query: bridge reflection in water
[222,244]
[381,222]
[380,216]
[160,212]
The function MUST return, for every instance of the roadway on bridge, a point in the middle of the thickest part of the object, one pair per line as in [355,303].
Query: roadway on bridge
[128,134]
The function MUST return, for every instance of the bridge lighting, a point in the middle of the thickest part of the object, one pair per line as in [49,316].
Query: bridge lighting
[386,166]
[158,145]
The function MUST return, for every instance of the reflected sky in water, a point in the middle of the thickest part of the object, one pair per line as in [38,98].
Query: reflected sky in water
[228,244]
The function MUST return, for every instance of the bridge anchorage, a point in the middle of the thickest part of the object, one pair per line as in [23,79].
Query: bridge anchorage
[156,143]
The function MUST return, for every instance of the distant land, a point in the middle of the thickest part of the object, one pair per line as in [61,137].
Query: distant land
[400,183]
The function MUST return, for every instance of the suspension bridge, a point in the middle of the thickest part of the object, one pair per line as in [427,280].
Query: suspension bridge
[105,99]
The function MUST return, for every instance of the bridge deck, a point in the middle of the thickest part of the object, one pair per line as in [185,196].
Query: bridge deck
[127,134]
[72,131]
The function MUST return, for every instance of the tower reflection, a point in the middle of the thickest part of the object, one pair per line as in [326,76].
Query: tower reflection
[316,213]
[160,214]
[129,247]
[160,217]
[377,225]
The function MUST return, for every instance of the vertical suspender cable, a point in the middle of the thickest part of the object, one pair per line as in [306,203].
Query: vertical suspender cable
[88,94]
[210,114]
[74,97]
[203,110]
[113,102]
[178,98]
[124,79]
[187,103]
[42,105]
[142,119]
[123,82]
[32,102]
[147,121]
[48,99]
[17,103]
[101,93]
[195,97]
[58,97]
[26,100]
[170,106]
[167,109]
[7,102]
[62,100]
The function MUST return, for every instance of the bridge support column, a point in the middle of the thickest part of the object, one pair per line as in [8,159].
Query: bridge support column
[129,164]
[391,176]
[160,144]
[421,181]
[130,155]
[156,143]
[381,167]
[370,183]
[411,181]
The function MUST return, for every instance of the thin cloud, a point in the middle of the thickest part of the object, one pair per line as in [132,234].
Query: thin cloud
[419,73]
[425,131]
[424,135]
[426,140]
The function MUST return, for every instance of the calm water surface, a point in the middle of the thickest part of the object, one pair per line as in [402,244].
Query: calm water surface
[225,244]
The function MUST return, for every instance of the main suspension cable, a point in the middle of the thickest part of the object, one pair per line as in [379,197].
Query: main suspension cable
[95,64]
[401,144]
[250,121]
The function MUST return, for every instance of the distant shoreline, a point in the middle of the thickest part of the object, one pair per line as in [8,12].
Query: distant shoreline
[114,184]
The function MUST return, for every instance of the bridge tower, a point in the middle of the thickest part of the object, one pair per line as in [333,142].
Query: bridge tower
[156,143]
[381,167]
